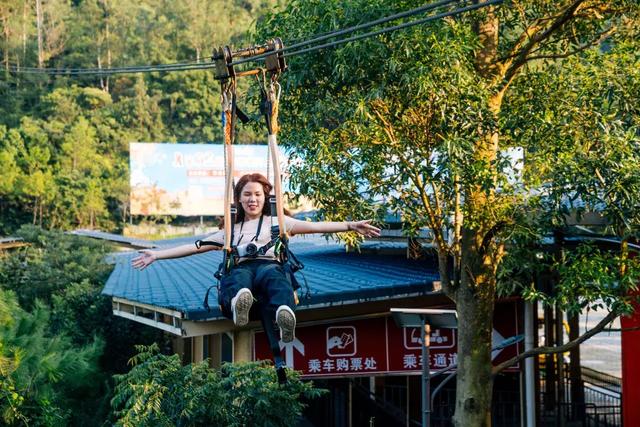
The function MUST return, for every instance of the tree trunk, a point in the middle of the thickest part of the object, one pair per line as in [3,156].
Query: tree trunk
[474,303]
[108,39]
[475,295]
[35,211]
[24,31]
[5,24]
[39,28]
[100,68]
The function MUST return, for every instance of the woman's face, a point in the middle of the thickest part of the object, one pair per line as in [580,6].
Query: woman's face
[252,200]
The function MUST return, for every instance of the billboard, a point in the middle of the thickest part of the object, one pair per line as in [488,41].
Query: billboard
[187,179]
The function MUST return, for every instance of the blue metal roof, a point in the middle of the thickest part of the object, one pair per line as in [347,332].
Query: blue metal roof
[333,275]
[117,238]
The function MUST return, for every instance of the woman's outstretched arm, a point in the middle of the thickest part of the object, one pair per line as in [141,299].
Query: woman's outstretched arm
[307,227]
[148,256]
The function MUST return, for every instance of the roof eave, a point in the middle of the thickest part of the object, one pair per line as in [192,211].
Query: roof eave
[337,299]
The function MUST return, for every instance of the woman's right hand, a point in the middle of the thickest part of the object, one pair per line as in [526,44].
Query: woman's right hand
[143,260]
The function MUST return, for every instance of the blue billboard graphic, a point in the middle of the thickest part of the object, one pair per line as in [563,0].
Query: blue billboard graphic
[187,179]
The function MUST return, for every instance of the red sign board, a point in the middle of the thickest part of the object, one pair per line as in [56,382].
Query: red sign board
[378,345]
[630,367]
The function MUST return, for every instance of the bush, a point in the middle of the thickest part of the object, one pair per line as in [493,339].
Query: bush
[43,377]
[159,391]
[51,263]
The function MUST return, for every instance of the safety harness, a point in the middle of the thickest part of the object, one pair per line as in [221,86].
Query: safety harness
[225,71]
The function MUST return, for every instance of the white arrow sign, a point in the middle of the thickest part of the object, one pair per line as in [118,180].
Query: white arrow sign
[288,353]
[496,339]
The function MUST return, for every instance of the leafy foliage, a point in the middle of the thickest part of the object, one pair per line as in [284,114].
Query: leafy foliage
[59,279]
[425,121]
[51,263]
[43,377]
[409,131]
[159,391]
[64,140]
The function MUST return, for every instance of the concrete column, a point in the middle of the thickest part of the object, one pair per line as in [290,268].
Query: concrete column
[529,367]
[197,349]
[215,350]
[242,346]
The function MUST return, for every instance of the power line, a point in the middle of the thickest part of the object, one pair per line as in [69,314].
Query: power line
[188,66]
[371,34]
[123,69]
[336,33]
[115,70]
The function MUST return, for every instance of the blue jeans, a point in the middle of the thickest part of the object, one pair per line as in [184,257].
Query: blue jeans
[267,280]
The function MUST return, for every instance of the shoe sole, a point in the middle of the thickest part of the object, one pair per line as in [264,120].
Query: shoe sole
[242,307]
[287,323]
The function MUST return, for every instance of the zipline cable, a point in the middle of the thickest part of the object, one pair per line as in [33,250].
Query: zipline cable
[204,66]
[372,33]
[118,69]
[110,71]
[195,65]
[336,33]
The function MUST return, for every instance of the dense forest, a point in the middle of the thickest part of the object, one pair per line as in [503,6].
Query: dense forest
[419,118]
[64,143]
[64,140]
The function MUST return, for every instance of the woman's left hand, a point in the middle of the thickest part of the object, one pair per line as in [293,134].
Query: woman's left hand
[364,227]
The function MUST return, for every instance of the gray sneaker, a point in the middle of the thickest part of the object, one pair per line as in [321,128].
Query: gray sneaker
[286,320]
[240,306]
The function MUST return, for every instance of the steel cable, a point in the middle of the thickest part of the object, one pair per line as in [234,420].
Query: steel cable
[190,66]
[371,34]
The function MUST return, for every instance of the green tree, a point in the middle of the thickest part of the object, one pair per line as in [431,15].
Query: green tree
[422,121]
[8,155]
[52,262]
[66,274]
[61,116]
[42,376]
[160,391]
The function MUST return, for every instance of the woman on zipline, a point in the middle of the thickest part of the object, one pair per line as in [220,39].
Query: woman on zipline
[261,273]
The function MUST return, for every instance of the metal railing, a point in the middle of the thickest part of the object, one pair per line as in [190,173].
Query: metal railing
[378,410]
[602,405]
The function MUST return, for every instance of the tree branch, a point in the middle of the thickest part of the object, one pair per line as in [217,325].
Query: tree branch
[457,231]
[602,36]
[512,67]
[436,224]
[634,328]
[559,349]
[489,235]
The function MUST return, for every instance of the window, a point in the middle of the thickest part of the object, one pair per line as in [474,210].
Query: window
[226,347]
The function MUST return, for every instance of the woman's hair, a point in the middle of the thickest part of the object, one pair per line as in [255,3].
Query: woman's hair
[244,180]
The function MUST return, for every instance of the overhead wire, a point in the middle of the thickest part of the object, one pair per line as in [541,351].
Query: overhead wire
[184,66]
[290,50]
[370,34]
[123,69]
[335,33]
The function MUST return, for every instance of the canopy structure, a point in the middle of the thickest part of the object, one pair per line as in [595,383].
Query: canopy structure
[169,294]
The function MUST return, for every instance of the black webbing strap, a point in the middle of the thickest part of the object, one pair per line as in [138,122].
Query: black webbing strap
[206,297]
[266,107]
[227,259]
[201,243]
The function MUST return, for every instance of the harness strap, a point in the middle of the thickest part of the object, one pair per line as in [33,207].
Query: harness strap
[200,243]
[206,297]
